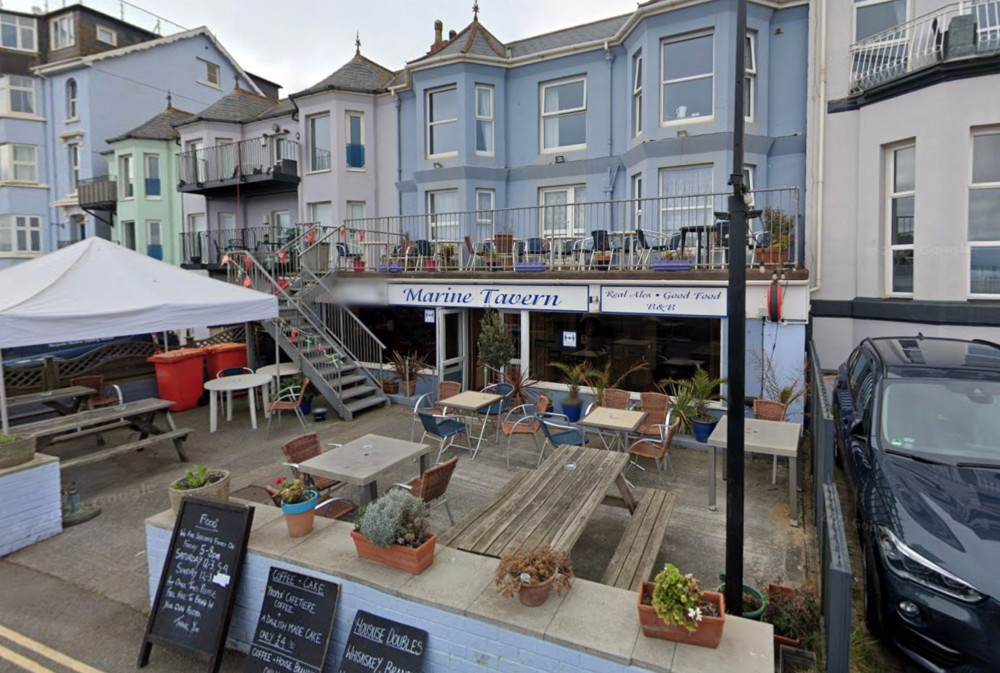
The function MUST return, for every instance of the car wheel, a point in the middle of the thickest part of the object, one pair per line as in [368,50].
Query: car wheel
[872,594]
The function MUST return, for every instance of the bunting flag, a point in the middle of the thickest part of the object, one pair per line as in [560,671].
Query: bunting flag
[226,259]
[269,260]
[284,284]
[311,235]
[361,235]
[294,334]
[247,282]
[320,349]
[282,256]
[341,231]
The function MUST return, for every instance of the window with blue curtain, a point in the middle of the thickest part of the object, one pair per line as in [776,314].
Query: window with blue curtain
[355,141]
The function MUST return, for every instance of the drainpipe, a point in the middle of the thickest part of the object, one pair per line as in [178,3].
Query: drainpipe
[50,160]
[821,140]
[609,58]
[399,161]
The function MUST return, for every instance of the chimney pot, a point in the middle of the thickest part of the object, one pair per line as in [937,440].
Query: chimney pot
[452,34]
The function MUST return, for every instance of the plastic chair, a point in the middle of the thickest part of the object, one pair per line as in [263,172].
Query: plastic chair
[443,429]
[288,400]
[99,398]
[558,434]
[769,410]
[300,449]
[433,484]
[647,448]
[521,421]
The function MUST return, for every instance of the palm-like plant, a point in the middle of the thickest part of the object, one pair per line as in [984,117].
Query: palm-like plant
[689,398]
[601,379]
[576,375]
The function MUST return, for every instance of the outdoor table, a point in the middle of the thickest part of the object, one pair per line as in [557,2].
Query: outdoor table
[363,460]
[287,369]
[775,438]
[619,421]
[547,506]
[473,402]
[229,384]
[53,399]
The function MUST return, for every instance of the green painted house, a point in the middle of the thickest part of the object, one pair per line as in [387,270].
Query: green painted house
[148,211]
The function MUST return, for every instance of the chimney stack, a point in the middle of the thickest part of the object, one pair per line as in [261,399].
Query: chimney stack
[438,29]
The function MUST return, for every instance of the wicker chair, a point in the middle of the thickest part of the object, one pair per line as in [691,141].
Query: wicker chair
[768,410]
[433,484]
[446,389]
[521,421]
[655,405]
[300,449]
[647,448]
[615,398]
[99,398]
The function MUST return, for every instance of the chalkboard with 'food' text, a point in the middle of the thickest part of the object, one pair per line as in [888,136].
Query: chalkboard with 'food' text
[379,645]
[296,619]
[194,600]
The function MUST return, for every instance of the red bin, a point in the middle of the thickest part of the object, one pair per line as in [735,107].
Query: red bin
[224,356]
[179,376]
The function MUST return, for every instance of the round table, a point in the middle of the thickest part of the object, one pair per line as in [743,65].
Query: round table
[229,384]
[287,369]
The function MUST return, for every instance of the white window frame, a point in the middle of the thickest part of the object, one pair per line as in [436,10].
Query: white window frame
[146,157]
[347,134]
[10,164]
[226,221]
[278,215]
[194,219]
[311,124]
[111,34]
[490,119]
[750,76]
[972,187]
[635,189]
[8,86]
[890,196]
[73,154]
[860,4]
[28,224]
[542,115]
[70,28]
[663,83]
[126,177]
[637,94]
[573,228]
[441,122]
[128,234]
[21,23]
[210,67]
[356,204]
[691,205]
[72,99]
[485,217]
[447,220]
[154,240]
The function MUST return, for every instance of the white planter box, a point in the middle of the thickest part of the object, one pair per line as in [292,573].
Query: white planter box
[30,505]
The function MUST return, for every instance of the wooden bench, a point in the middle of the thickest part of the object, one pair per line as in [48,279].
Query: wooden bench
[632,562]
[173,435]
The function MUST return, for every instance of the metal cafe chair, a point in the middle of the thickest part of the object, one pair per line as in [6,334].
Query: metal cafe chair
[521,421]
[558,434]
[443,429]
[657,451]
[433,485]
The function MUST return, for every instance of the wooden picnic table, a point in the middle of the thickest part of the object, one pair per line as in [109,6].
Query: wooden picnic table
[53,399]
[138,416]
[547,506]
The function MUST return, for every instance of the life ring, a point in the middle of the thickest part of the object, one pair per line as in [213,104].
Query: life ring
[775,298]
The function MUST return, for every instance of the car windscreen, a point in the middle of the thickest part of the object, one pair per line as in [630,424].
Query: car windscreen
[956,421]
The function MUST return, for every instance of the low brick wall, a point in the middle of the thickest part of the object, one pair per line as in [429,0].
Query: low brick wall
[592,628]
[30,503]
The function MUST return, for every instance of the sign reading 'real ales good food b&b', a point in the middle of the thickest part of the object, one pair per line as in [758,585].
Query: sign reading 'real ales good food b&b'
[706,302]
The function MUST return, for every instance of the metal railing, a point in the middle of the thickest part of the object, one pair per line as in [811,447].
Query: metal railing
[99,191]
[320,159]
[263,156]
[922,42]
[124,11]
[208,247]
[632,234]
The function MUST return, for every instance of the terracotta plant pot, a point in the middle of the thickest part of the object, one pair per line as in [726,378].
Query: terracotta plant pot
[17,452]
[299,516]
[535,594]
[791,592]
[397,556]
[708,633]
[409,388]
[390,387]
[217,490]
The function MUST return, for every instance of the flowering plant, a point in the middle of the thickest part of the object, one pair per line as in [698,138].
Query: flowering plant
[292,492]
[677,598]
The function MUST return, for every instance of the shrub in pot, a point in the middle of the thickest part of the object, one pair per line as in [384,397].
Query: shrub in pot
[532,574]
[674,607]
[298,504]
[200,482]
[16,449]
[407,369]
[576,376]
[689,402]
[794,615]
[395,531]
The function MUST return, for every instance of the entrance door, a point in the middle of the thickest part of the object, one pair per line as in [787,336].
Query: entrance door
[452,339]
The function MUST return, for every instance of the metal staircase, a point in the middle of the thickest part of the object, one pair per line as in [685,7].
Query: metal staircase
[298,273]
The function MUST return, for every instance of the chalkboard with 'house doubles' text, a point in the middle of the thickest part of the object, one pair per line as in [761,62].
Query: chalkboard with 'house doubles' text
[293,630]
[194,601]
[382,645]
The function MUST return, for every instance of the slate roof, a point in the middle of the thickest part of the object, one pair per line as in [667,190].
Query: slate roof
[474,39]
[239,105]
[360,74]
[588,32]
[281,108]
[160,127]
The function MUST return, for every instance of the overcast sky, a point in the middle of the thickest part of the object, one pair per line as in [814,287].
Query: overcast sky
[296,43]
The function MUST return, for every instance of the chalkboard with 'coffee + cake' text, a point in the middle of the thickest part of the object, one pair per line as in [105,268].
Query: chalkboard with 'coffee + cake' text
[379,645]
[293,630]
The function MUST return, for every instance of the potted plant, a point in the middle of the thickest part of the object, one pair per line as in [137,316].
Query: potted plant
[448,255]
[533,573]
[359,265]
[674,607]
[689,402]
[395,531]
[779,229]
[754,602]
[794,615]
[665,260]
[298,504]
[495,347]
[200,482]
[390,386]
[407,369]
[576,376]
[601,379]
[16,449]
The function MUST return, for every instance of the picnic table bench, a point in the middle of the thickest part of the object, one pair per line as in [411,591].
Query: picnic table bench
[138,416]
[64,401]
[633,559]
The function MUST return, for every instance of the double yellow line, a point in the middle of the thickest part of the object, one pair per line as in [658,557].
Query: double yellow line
[45,651]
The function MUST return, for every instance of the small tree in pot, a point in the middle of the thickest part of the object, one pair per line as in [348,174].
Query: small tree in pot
[495,348]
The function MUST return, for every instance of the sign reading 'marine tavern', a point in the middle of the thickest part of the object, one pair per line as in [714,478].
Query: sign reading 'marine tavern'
[572,298]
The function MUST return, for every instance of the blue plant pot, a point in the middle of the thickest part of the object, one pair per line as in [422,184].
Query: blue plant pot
[572,409]
[300,507]
[703,429]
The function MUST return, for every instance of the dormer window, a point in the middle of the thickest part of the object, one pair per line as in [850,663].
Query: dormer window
[62,32]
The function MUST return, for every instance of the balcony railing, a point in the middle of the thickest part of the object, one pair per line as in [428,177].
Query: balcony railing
[924,41]
[651,234]
[208,247]
[240,161]
[100,193]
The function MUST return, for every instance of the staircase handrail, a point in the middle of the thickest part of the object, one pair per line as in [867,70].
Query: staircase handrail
[355,318]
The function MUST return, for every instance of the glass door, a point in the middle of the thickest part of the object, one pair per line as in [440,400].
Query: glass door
[452,339]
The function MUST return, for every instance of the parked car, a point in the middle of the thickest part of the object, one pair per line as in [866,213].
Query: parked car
[918,432]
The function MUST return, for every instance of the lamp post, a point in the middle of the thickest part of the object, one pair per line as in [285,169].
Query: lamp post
[737,332]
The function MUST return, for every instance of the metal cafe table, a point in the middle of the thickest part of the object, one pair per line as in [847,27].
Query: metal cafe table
[363,460]
[620,422]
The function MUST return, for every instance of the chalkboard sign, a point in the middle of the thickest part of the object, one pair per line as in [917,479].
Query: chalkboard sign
[293,631]
[197,588]
[378,644]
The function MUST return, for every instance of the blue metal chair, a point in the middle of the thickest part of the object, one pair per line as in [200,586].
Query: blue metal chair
[498,409]
[558,434]
[443,429]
